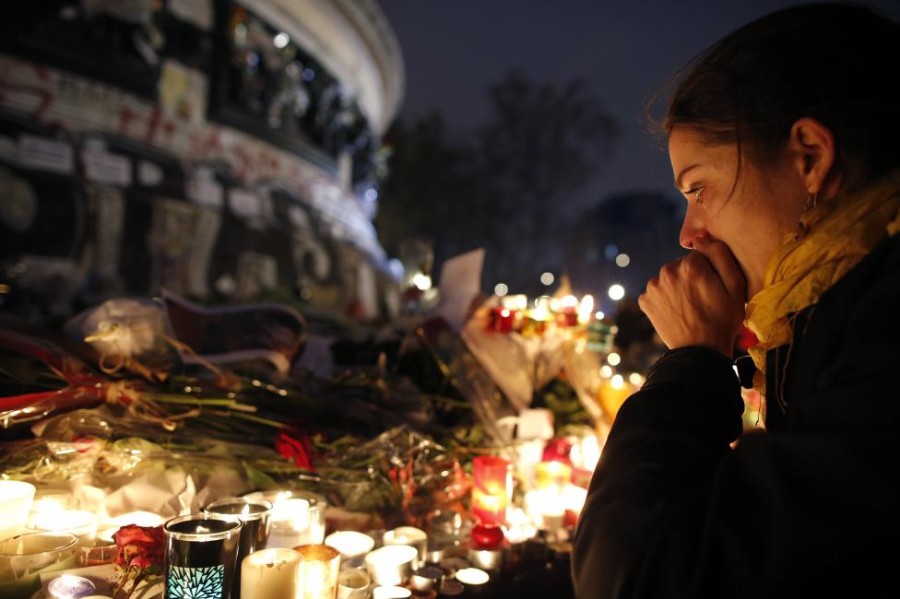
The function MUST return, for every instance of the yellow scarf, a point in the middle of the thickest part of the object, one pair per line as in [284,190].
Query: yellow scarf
[831,239]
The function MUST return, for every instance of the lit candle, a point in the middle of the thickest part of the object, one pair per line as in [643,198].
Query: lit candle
[472,576]
[502,319]
[390,592]
[317,573]
[491,490]
[552,474]
[253,514]
[15,501]
[81,523]
[612,393]
[391,565]
[67,586]
[298,517]
[269,573]
[408,535]
[350,543]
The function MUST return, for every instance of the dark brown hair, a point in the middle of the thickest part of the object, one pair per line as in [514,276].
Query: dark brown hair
[835,62]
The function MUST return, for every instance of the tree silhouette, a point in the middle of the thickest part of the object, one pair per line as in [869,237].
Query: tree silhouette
[508,187]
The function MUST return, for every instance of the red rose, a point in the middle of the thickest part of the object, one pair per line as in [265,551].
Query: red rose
[297,450]
[139,546]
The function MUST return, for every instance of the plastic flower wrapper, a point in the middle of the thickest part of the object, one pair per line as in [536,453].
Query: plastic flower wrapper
[140,558]
[398,472]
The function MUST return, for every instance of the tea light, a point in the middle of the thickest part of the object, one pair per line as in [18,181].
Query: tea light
[408,535]
[472,577]
[427,578]
[391,565]
[353,583]
[390,592]
[269,573]
[253,514]
[16,497]
[81,523]
[350,543]
[317,573]
[70,587]
[139,518]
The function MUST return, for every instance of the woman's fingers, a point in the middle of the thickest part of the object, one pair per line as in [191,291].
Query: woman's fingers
[697,300]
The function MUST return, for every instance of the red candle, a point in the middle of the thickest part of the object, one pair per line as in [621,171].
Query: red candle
[491,490]
[502,319]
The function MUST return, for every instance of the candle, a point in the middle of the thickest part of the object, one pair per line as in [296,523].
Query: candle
[353,583]
[140,518]
[491,490]
[612,393]
[253,514]
[297,518]
[502,320]
[472,576]
[552,474]
[201,555]
[391,565]
[390,592]
[270,573]
[70,587]
[15,501]
[408,535]
[350,543]
[81,523]
[318,571]
[474,579]
[427,578]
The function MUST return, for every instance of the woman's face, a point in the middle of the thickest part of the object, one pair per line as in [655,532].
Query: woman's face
[749,211]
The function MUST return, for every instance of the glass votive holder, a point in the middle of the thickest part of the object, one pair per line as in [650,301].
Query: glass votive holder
[253,514]
[491,489]
[297,518]
[23,558]
[201,555]
[317,574]
[81,523]
[270,573]
[16,498]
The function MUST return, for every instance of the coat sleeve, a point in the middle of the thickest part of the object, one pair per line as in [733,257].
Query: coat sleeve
[666,441]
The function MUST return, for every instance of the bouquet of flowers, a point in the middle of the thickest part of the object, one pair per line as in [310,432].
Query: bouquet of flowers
[140,555]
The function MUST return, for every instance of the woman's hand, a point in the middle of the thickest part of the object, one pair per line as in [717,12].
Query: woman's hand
[698,299]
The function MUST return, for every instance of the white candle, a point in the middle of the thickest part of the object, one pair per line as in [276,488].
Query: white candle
[407,535]
[390,592]
[350,543]
[472,576]
[391,565]
[15,502]
[81,523]
[269,573]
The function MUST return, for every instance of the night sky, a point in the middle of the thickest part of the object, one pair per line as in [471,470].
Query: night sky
[453,49]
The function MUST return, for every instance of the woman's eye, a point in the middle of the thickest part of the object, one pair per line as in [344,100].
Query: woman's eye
[697,193]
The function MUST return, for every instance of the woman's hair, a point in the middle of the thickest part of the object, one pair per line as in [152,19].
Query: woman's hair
[835,62]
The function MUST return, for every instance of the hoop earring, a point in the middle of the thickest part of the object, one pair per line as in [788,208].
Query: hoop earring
[812,200]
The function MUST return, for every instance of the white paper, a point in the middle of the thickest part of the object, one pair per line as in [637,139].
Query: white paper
[460,285]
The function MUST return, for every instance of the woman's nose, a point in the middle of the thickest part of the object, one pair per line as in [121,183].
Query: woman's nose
[692,229]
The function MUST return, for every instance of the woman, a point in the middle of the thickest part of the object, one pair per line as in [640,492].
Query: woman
[784,138]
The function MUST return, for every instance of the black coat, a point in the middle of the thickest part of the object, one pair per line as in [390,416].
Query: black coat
[809,508]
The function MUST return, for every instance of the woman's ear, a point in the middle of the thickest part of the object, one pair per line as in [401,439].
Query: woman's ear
[812,144]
